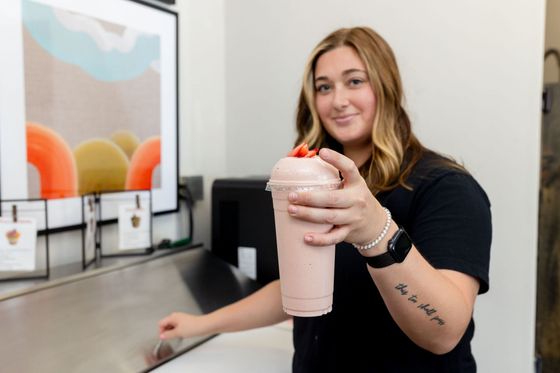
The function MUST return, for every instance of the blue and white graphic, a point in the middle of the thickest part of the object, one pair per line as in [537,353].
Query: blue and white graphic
[83,41]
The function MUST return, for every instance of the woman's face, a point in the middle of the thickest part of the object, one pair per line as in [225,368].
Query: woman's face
[344,97]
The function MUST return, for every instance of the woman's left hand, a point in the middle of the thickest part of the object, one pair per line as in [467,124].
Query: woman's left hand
[355,213]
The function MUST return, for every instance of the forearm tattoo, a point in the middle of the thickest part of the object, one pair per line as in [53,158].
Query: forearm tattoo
[426,308]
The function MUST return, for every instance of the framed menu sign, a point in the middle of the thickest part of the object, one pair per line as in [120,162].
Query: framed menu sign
[24,239]
[18,241]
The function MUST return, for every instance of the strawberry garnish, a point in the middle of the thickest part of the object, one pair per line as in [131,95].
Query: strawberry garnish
[312,153]
[302,151]
[295,151]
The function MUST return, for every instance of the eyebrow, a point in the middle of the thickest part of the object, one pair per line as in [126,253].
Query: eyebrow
[344,73]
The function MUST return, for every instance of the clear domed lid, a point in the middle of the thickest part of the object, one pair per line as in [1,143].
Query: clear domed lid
[291,173]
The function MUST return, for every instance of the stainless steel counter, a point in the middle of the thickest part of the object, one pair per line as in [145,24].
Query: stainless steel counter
[106,321]
[262,350]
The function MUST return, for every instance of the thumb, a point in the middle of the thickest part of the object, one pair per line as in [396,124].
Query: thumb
[168,333]
[345,165]
[167,328]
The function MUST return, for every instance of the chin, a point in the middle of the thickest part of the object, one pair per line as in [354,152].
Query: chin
[347,140]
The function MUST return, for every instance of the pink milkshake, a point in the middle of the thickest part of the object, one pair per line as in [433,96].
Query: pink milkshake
[306,272]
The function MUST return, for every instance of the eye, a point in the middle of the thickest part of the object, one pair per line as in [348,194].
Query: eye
[323,88]
[355,82]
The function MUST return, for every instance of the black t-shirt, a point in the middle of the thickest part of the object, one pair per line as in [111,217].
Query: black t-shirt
[447,215]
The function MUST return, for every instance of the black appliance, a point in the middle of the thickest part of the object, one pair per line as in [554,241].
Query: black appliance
[242,216]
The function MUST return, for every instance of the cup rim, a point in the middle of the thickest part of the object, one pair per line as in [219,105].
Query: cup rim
[281,186]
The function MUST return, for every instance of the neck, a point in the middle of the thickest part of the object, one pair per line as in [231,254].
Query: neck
[358,154]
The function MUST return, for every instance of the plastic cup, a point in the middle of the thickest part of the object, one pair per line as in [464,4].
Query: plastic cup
[306,272]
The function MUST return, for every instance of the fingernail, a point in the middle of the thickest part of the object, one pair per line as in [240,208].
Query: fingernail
[292,209]
[308,238]
[292,196]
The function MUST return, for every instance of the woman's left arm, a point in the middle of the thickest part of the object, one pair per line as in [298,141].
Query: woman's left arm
[432,307]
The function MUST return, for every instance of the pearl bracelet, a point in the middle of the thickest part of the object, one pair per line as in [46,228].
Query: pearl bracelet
[381,235]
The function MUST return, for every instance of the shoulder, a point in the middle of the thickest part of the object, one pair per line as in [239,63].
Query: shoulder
[449,219]
[436,174]
[435,186]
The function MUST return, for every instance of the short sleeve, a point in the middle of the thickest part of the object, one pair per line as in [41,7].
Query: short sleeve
[452,227]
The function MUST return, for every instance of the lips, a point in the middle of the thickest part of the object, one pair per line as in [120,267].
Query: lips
[344,119]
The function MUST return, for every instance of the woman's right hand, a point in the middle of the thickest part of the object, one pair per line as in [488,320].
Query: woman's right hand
[181,325]
[261,308]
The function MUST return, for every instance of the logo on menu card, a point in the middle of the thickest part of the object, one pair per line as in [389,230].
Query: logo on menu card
[135,220]
[13,236]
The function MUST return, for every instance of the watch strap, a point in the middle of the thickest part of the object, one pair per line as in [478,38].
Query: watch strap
[381,260]
[398,248]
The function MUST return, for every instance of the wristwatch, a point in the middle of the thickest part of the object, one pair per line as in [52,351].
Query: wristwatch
[397,249]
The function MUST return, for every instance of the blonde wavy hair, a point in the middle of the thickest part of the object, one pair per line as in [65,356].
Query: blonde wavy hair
[395,149]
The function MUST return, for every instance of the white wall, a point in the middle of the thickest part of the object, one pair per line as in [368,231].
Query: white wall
[202,139]
[473,75]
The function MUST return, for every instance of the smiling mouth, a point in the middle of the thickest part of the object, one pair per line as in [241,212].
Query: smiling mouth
[344,119]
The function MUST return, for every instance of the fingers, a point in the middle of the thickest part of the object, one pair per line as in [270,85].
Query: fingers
[340,198]
[322,215]
[345,209]
[334,236]
[168,327]
[344,164]
[169,334]
[340,219]
[323,198]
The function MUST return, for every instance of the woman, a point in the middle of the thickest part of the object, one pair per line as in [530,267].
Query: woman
[406,310]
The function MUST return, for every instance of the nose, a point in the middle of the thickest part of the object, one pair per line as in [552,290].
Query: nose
[340,99]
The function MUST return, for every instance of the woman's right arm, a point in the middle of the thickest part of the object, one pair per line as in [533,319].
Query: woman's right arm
[262,308]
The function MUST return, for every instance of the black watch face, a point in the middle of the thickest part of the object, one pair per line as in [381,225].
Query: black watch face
[401,246]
